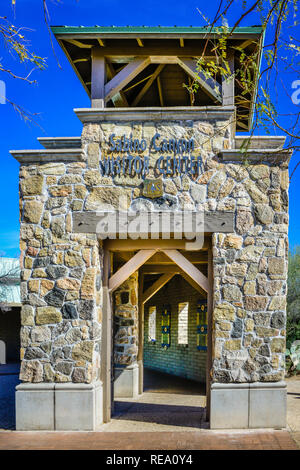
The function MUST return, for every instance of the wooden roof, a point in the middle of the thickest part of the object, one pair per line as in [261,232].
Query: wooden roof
[172,53]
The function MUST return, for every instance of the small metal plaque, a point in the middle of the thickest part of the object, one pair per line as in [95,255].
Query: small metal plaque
[153,188]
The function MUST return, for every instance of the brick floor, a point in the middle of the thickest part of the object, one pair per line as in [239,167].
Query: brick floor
[199,440]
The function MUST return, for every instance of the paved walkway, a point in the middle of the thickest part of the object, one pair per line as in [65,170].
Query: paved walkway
[170,415]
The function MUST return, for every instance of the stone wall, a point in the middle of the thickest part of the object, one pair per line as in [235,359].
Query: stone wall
[61,270]
[178,359]
[126,322]
[60,278]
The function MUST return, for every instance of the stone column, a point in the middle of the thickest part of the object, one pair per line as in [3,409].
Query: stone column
[61,303]
[250,273]
[126,338]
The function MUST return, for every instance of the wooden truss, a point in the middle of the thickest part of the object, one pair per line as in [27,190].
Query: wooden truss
[108,84]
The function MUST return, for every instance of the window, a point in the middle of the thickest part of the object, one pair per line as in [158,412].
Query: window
[183,315]
[152,324]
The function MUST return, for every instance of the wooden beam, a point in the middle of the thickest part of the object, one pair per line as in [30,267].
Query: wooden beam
[80,44]
[98,79]
[158,59]
[119,100]
[245,44]
[120,80]
[129,268]
[209,359]
[158,244]
[83,59]
[140,355]
[193,284]
[181,42]
[101,42]
[228,83]
[146,87]
[106,343]
[197,257]
[160,269]
[209,85]
[140,42]
[156,286]
[188,268]
[160,94]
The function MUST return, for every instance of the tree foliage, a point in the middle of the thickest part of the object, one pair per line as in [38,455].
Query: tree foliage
[293,297]
[280,55]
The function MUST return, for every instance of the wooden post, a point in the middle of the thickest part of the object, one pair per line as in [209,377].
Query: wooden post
[98,78]
[106,350]
[210,301]
[228,83]
[140,356]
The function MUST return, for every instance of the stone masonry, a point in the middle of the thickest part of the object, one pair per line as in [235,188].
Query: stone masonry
[62,271]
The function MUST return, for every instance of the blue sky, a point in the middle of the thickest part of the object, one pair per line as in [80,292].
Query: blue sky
[58,91]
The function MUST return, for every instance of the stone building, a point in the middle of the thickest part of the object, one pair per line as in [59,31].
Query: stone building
[89,271]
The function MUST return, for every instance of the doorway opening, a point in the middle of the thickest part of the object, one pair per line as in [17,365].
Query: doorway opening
[160,330]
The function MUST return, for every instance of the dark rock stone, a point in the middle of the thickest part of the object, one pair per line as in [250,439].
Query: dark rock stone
[222,376]
[46,347]
[79,375]
[69,311]
[264,350]
[41,262]
[34,353]
[237,329]
[278,320]
[64,367]
[55,297]
[230,255]
[86,309]
[265,369]
[56,354]
[76,272]
[67,351]
[55,272]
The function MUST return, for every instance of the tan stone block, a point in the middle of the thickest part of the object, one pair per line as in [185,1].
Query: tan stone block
[225,326]
[250,288]
[39,272]
[88,284]
[33,286]
[277,303]
[226,188]
[59,191]
[249,324]
[28,262]
[83,351]
[31,371]
[232,345]
[233,241]
[72,295]
[284,179]
[68,284]
[256,195]
[265,332]
[46,285]
[93,152]
[33,211]
[73,259]
[48,315]
[52,168]
[86,255]
[224,311]
[102,198]
[50,180]
[276,265]
[27,315]
[32,185]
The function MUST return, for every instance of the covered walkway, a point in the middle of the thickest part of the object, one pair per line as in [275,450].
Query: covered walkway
[168,403]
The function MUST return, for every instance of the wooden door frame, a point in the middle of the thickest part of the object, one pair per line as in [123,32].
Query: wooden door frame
[109,283]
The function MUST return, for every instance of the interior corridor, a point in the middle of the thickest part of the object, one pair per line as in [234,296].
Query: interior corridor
[169,403]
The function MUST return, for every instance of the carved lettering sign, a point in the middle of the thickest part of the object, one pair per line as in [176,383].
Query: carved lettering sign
[174,157]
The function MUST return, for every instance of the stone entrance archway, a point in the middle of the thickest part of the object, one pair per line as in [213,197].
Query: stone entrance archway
[167,260]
